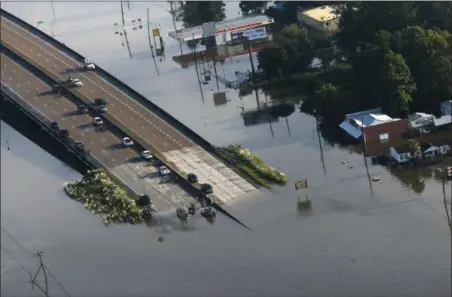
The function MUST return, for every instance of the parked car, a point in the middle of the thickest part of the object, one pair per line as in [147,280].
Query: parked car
[164,171]
[54,125]
[102,108]
[82,108]
[100,102]
[56,88]
[97,121]
[63,133]
[80,147]
[127,142]
[146,155]
[74,82]
[192,178]
[89,64]
[206,189]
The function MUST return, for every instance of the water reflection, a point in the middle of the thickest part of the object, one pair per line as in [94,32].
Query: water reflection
[390,231]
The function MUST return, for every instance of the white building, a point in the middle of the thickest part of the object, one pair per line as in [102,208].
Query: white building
[323,18]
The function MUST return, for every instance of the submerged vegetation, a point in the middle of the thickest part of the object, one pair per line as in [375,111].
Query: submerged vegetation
[102,196]
[251,164]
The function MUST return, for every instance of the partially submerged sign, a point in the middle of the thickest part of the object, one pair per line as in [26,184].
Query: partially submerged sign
[301,184]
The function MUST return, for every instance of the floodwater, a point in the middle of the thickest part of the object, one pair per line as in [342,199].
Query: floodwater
[361,239]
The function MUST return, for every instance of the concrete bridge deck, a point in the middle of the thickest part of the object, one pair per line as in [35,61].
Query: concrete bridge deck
[106,146]
[170,142]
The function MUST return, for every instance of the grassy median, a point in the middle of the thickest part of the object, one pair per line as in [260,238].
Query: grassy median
[252,165]
[102,196]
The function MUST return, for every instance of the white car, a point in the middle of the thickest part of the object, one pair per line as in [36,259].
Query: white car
[127,142]
[98,121]
[163,170]
[89,64]
[146,155]
[75,82]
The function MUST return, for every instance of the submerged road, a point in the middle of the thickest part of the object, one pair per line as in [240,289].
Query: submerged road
[105,145]
[176,147]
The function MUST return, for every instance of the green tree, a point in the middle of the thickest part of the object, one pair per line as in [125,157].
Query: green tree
[252,7]
[414,147]
[326,99]
[396,85]
[271,61]
[195,13]
[429,55]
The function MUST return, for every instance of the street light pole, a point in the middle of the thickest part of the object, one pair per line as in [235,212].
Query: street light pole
[53,11]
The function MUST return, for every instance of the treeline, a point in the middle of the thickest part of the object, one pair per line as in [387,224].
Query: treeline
[396,55]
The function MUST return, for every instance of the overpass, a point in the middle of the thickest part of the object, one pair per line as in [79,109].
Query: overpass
[133,114]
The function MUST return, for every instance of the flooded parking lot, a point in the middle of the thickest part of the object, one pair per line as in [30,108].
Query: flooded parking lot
[383,237]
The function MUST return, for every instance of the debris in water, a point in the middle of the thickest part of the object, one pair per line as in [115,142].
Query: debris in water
[160,239]
[375,178]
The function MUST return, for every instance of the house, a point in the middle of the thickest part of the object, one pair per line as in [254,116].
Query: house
[446,107]
[444,145]
[420,120]
[401,154]
[443,122]
[324,19]
[428,150]
[374,125]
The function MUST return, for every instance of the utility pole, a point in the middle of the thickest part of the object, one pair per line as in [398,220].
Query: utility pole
[124,30]
[250,51]
[45,290]
[53,11]
[149,34]
[364,144]
[322,158]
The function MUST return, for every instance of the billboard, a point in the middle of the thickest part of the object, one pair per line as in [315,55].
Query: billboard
[250,34]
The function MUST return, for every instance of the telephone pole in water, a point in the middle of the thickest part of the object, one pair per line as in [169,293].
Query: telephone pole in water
[42,268]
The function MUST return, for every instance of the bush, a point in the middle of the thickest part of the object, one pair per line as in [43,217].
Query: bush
[252,160]
[100,195]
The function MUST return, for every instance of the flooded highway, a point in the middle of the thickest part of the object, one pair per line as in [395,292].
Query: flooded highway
[386,238]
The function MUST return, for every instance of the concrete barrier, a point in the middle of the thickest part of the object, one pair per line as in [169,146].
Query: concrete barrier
[89,161]
[190,134]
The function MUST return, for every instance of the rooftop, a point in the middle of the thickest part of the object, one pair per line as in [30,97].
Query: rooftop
[444,120]
[322,14]
[197,32]
[446,107]
[418,115]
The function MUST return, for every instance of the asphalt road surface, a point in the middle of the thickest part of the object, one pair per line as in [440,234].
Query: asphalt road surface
[105,145]
[175,146]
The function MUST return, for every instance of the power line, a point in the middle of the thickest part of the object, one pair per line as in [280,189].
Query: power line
[39,255]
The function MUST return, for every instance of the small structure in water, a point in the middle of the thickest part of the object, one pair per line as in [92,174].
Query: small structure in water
[182,213]
[208,212]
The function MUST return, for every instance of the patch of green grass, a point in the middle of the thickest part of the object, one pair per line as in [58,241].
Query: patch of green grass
[252,165]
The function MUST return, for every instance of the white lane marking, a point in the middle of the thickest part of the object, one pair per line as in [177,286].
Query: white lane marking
[101,78]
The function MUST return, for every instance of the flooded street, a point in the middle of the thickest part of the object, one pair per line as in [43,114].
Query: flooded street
[388,237]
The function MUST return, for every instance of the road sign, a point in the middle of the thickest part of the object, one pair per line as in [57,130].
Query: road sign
[301,184]
[156,32]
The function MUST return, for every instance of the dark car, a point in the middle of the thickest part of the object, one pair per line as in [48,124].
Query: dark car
[54,125]
[56,88]
[63,133]
[206,189]
[192,178]
[82,108]
[100,102]
[80,147]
